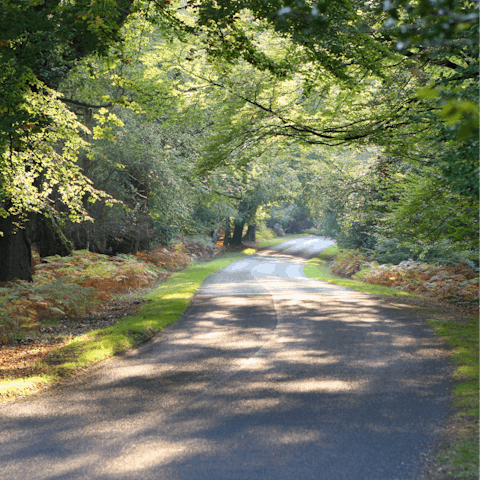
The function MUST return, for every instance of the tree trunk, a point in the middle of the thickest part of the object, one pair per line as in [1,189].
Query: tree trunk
[15,251]
[251,233]
[48,237]
[237,233]
[226,239]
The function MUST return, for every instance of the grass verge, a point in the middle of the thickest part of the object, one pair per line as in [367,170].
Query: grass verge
[320,269]
[166,303]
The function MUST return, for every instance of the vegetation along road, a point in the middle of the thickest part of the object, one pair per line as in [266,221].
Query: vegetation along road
[268,375]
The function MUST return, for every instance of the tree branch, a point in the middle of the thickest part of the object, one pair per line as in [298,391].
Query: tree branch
[85,105]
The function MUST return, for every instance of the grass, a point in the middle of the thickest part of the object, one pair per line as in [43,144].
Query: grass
[460,457]
[320,269]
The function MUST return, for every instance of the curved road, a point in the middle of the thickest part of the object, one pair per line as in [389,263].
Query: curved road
[268,375]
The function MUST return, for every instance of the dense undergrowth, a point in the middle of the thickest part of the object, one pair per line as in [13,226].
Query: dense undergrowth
[79,283]
[456,284]
[69,287]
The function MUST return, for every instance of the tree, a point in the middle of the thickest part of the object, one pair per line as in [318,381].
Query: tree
[378,72]
[247,81]
[40,139]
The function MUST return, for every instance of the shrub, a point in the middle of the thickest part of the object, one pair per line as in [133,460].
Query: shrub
[68,287]
[452,283]
[348,262]
[264,233]
[389,250]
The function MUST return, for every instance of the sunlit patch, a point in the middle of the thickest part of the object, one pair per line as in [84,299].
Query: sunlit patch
[150,454]
[321,385]
[235,267]
[289,436]
[249,406]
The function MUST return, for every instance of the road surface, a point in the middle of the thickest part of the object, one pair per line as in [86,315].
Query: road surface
[269,375]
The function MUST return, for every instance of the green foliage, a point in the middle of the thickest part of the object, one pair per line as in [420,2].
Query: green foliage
[197,112]
[427,210]
[393,210]
[390,250]
[342,194]
[290,217]
[265,234]
[40,139]
[444,33]
[329,253]
[43,164]
[415,71]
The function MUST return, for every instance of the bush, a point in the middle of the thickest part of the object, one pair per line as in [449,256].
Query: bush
[356,236]
[391,250]
[69,287]
[454,284]
[348,262]
[291,218]
[264,233]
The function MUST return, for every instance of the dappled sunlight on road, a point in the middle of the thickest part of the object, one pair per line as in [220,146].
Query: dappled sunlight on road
[269,376]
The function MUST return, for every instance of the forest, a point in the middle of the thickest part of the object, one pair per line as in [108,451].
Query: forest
[125,124]
[139,138]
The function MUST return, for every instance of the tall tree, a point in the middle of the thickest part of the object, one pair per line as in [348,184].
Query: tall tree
[40,41]
[381,72]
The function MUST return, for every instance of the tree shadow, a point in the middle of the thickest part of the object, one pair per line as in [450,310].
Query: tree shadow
[312,387]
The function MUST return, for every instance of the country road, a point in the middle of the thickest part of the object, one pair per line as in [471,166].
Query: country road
[268,375]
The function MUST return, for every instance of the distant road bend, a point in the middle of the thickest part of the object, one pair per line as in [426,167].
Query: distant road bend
[269,375]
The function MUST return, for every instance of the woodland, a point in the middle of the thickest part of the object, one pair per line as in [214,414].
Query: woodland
[127,123]
[137,135]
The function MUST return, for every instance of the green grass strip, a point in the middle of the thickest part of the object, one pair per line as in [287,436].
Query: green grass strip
[462,456]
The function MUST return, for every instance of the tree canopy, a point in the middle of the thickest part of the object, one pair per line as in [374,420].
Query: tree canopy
[184,113]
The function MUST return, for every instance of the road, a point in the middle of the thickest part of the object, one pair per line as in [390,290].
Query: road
[268,375]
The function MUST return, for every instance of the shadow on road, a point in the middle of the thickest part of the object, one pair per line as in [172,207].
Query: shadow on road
[253,387]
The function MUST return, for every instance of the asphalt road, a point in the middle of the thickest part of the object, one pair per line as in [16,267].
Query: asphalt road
[268,375]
